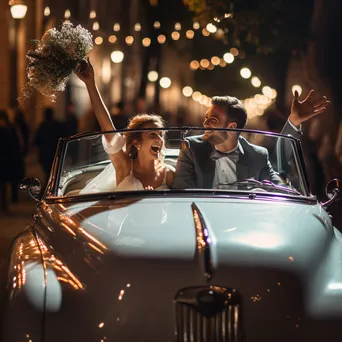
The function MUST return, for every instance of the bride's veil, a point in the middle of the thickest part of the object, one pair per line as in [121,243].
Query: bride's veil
[103,182]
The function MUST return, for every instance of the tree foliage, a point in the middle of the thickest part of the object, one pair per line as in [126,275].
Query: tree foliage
[266,25]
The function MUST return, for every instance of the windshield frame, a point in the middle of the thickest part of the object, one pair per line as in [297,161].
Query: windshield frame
[52,186]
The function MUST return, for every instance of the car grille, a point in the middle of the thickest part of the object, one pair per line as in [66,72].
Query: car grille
[208,314]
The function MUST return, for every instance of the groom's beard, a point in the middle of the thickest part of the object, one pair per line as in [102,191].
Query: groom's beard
[215,138]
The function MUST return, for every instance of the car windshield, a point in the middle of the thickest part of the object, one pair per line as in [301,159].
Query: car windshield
[185,159]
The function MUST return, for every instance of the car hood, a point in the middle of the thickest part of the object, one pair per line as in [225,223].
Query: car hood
[240,231]
[132,256]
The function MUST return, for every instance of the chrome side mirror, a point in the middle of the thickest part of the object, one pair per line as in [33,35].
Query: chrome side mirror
[333,190]
[32,186]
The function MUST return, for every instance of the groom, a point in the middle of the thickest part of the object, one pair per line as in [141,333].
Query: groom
[224,157]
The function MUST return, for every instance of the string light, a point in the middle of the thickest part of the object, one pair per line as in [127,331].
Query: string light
[189,34]
[228,58]
[205,32]
[92,14]
[234,52]
[196,95]
[165,82]
[117,56]
[215,60]
[204,63]
[112,39]
[298,88]
[98,40]
[175,35]
[223,63]
[129,40]
[137,27]
[196,25]
[178,26]
[116,27]
[194,65]
[152,76]
[156,25]
[187,91]
[146,42]
[211,28]
[96,26]
[245,73]
[255,81]
[67,14]
[47,11]
[161,39]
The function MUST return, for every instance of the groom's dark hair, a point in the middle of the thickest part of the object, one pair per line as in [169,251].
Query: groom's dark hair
[235,110]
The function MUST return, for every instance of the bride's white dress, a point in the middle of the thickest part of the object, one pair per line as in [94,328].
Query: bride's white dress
[106,181]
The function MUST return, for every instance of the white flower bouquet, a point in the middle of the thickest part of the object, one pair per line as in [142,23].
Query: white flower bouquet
[54,57]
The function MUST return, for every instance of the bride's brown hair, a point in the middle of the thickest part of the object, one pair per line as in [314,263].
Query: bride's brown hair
[137,122]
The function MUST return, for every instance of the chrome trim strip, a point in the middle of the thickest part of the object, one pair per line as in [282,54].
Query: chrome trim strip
[203,241]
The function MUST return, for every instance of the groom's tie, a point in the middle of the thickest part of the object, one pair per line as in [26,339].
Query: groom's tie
[233,156]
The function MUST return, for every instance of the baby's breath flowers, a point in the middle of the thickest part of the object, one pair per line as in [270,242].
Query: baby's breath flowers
[54,57]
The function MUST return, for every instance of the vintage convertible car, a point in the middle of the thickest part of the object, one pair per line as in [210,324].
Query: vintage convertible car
[247,260]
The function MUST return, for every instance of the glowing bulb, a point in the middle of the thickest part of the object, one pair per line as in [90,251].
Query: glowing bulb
[137,27]
[298,88]
[194,65]
[156,24]
[234,51]
[211,28]
[189,34]
[204,63]
[196,96]
[255,82]
[215,60]
[117,56]
[178,26]
[161,39]
[245,73]
[267,91]
[98,40]
[228,57]
[116,27]
[112,39]
[47,11]
[96,26]
[152,76]
[67,14]
[165,82]
[129,40]
[187,91]
[205,32]
[196,25]
[146,42]
[175,35]
[92,14]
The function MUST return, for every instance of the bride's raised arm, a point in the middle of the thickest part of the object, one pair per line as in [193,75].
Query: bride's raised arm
[113,143]
[87,75]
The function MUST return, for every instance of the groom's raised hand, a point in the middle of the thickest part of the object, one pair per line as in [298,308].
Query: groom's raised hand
[302,111]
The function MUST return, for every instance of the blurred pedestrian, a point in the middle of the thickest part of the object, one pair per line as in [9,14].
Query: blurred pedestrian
[70,124]
[46,139]
[10,160]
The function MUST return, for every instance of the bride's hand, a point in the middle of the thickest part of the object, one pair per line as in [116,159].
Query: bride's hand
[149,187]
[85,71]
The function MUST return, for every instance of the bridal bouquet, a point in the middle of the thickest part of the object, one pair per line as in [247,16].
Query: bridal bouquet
[54,57]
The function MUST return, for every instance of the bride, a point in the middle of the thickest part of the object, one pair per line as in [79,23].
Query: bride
[137,157]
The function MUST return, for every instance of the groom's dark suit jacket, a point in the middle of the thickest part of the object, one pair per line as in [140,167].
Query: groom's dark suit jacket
[196,169]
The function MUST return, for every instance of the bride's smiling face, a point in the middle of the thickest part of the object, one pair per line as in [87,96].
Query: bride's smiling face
[151,144]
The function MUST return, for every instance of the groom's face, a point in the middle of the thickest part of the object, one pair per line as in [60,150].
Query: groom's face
[216,117]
